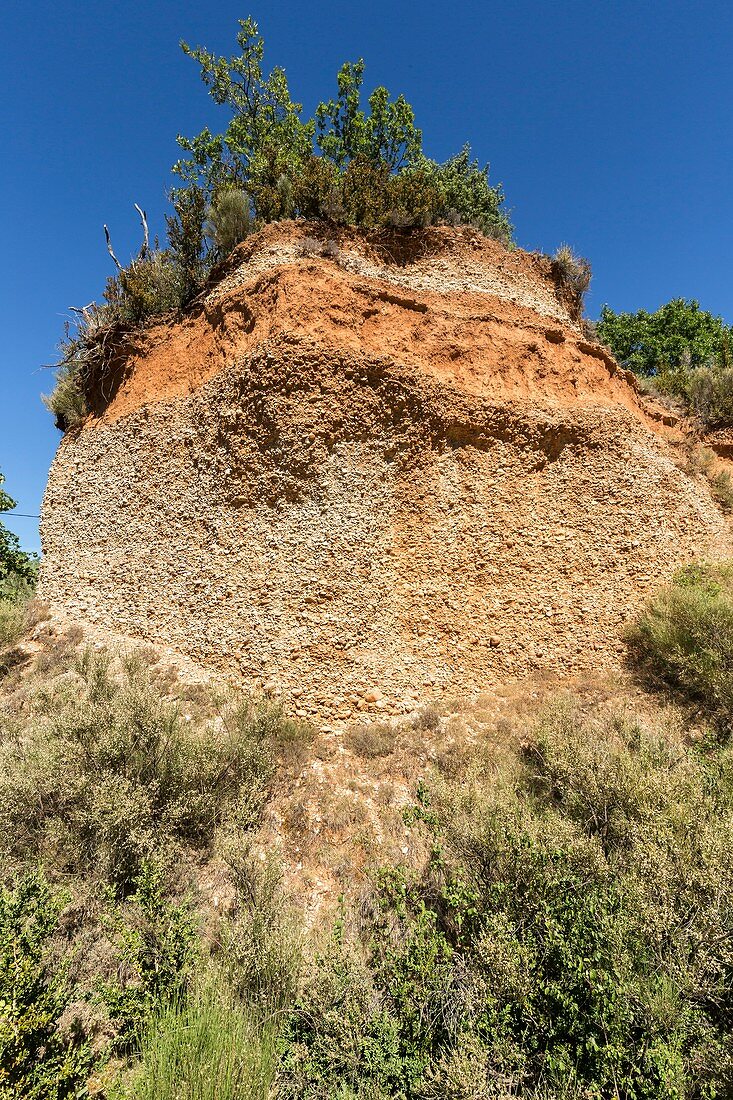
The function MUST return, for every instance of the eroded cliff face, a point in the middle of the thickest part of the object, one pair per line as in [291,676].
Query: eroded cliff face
[368,482]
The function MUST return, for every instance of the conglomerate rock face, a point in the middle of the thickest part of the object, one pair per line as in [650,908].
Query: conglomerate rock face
[366,482]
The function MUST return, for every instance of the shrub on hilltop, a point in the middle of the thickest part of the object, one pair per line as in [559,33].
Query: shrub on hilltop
[346,164]
[350,164]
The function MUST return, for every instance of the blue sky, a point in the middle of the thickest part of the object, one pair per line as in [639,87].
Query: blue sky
[609,125]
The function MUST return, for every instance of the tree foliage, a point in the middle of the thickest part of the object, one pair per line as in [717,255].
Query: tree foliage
[387,135]
[685,351]
[265,137]
[352,163]
[678,334]
[343,164]
[13,560]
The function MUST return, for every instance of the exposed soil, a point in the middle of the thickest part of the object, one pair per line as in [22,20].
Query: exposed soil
[475,315]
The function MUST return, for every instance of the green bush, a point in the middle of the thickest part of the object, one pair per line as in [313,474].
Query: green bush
[701,462]
[67,400]
[721,489]
[157,948]
[677,335]
[686,352]
[15,592]
[85,353]
[37,1062]
[263,943]
[12,625]
[684,637]
[146,288]
[468,198]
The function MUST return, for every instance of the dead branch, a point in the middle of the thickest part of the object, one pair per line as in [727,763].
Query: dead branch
[109,249]
[146,236]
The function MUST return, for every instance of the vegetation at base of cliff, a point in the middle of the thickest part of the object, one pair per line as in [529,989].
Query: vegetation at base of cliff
[684,639]
[552,945]
[351,164]
[685,352]
[112,796]
[558,926]
[138,780]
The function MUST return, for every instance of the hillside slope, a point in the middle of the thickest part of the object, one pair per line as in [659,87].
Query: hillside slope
[364,478]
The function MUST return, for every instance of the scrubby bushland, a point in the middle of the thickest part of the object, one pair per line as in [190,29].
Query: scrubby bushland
[559,927]
[568,936]
[345,165]
[685,351]
[119,795]
[157,948]
[685,639]
[108,774]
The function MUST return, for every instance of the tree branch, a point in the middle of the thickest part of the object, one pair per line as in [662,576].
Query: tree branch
[146,236]
[109,249]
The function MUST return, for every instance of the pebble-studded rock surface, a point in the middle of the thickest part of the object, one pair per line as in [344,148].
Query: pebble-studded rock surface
[355,534]
[367,571]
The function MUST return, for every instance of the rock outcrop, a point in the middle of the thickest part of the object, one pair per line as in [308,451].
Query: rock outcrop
[362,479]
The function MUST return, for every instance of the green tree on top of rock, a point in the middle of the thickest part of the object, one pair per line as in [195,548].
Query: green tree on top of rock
[352,163]
[347,164]
[265,137]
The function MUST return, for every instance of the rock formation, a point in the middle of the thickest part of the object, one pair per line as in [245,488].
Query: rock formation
[363,478]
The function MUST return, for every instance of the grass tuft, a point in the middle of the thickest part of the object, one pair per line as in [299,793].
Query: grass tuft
[210,1047]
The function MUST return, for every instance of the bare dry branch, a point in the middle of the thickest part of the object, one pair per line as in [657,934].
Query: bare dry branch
[144,248]
[109,249]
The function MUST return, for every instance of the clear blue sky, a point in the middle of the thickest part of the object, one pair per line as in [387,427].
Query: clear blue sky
[609,125]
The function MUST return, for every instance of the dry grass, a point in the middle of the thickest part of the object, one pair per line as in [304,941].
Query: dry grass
[370,740]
